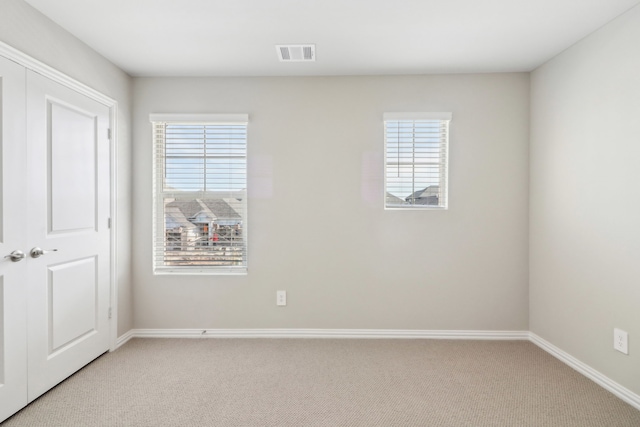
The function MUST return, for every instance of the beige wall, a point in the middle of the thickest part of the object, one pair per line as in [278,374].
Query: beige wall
[585,203]
[316,224]
[27,30]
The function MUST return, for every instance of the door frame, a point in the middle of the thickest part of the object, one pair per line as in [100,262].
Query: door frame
[51,73]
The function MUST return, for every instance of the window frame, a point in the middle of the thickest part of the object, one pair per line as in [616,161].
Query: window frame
[443,180]
[159,194]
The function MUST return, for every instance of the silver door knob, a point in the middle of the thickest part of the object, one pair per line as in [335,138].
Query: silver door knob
[38,252]
[16,256]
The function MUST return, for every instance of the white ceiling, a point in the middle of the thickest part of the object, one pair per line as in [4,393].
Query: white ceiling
[352,37]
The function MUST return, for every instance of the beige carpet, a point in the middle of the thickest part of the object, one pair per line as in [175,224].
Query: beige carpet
[320,382]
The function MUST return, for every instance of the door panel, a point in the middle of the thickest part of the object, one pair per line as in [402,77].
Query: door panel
[72,302]
[68,188]
[13,286]
[73,169]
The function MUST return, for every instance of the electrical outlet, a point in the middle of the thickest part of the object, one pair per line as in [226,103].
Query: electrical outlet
[621,341]
[281,297]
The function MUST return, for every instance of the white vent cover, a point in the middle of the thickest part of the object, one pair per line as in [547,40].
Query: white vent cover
[296,52]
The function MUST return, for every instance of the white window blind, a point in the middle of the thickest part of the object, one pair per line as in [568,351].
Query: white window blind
[416,160]
[200,193]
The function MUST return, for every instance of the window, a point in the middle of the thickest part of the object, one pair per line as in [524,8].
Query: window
[200,193]
[416,157]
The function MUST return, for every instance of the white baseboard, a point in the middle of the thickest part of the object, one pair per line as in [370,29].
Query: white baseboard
[122,340]
[602,380]
[330,333]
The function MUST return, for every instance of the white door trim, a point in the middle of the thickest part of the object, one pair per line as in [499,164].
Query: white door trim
[33,64]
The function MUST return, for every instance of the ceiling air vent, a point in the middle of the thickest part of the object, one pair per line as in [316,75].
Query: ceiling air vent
[296,52]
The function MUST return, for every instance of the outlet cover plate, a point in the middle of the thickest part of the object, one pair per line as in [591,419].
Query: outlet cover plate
[281,298]
[621,340]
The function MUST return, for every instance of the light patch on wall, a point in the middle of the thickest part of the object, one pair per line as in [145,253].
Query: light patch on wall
[371,180]
[260,177]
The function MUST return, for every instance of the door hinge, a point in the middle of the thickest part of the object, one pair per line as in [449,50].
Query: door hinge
[109,223]
[109,312]
[109,134]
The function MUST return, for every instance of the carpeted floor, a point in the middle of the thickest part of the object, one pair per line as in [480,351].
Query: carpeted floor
[322,382]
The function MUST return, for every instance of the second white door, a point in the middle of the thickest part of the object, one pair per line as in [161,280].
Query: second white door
[67,223]
[13,267]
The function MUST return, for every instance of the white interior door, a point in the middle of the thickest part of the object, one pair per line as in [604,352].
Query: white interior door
[13,283]
[67,214]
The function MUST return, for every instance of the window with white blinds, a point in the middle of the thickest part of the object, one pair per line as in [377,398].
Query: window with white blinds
[416,160]
[200,193]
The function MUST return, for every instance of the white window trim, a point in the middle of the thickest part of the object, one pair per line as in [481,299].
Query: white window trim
[416,116]
[200,118]
[171,118]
